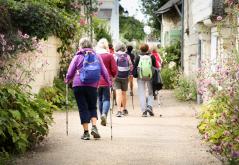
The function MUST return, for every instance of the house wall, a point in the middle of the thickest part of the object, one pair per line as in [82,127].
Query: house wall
[198,28]
[50,58]
[109,10]
[170,20]
[191,40]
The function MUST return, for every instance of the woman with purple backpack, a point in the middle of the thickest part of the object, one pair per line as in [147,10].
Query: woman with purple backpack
[125,68]
[85,70]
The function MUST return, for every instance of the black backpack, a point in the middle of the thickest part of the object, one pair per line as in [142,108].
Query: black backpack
[157,81]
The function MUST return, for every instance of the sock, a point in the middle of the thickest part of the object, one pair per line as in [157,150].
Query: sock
[86,131]
[94,126]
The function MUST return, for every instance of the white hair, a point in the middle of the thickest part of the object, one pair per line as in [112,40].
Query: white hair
[120,46]
[85,43]
[103,44]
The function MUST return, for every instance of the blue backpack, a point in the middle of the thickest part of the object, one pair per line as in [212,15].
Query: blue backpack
[91,69]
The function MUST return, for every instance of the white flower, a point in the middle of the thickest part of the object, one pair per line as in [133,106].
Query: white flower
[171,65]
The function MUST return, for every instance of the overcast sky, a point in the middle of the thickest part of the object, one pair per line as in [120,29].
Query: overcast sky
[133,7]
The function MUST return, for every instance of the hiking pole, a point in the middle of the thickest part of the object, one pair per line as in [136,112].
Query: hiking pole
[66,109]
[133,101]
[111,110]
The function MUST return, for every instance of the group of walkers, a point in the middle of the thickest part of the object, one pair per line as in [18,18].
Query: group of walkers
[98,72]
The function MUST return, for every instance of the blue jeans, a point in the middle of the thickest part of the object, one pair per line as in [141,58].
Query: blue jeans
[86,98]
[104,100]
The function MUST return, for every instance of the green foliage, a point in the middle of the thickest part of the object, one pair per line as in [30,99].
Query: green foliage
[172,53]
[150,7]
[56,95]
[40,19]
[101,30]
[219,125]
[24,119]
[185,89]
[131,28]
[169,76]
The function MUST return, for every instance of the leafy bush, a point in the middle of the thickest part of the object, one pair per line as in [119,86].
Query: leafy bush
[56,95]
[38,19]
[219,125]
[53,96]
[185,89]
[169,76]
[171,53]
[24,119]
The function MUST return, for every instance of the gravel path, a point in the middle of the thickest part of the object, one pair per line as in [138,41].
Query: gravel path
[172,139]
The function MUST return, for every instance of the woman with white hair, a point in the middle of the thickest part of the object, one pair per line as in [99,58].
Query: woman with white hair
[125,68]
[85,70]
[102,49]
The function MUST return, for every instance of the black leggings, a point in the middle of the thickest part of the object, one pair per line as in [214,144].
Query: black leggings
[86,98]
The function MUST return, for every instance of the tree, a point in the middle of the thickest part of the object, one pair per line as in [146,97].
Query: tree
[131,28]
[150,7]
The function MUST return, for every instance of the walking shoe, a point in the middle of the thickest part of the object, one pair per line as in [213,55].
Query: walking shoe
[125,112]
[144,114]
[94,132]
[103,120]
[155,97]
[131,93]
[85,136]
[119,114]
[150,110]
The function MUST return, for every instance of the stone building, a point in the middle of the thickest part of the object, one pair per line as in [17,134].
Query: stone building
[200,38]
[109,10]
[170,14]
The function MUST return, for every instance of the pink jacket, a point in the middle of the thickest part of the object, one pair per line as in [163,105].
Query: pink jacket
[110,65]
[158,58]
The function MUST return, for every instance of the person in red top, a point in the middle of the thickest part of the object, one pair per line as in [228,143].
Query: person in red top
[102,50]
[111,49]
[154,52]
[159,61]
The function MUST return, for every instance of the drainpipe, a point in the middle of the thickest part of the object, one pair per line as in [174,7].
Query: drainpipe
[91,23]
[182,37]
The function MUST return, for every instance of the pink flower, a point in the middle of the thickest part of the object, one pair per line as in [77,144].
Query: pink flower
[219,18]
[82,21]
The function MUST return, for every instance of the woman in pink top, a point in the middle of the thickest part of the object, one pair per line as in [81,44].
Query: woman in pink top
[102,50]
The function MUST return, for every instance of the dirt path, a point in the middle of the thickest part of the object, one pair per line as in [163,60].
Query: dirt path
[172,139]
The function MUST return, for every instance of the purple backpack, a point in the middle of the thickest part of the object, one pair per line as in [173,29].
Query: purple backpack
[123,66]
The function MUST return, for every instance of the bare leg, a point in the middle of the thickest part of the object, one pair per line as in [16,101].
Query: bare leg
[93,120]
[119,99]
[124,99]
[85,126]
